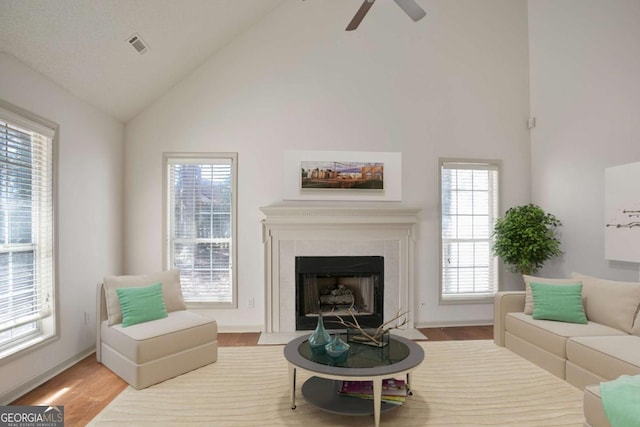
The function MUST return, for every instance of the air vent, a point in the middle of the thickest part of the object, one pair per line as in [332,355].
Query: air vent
[138,44]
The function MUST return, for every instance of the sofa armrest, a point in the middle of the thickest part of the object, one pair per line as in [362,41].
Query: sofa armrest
[503,303]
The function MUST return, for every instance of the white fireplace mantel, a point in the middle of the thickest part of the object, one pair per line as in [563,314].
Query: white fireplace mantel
[290,231]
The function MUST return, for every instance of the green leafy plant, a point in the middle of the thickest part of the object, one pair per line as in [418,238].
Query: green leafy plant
[525,238]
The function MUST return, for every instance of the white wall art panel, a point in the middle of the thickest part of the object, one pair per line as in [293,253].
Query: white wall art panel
[622,213]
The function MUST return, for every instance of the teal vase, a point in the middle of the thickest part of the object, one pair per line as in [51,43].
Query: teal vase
[337,350]
[319,338]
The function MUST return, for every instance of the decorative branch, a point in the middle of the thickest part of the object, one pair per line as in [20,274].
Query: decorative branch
[376,338]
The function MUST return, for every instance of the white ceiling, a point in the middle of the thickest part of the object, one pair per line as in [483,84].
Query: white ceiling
[82,44]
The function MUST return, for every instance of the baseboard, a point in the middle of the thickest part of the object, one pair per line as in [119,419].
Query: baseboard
[274,338]
[259,328]
[25,388]
[452,324]
[239,328]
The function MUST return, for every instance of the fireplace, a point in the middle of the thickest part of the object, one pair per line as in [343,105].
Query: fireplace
[339,285]
[295,231]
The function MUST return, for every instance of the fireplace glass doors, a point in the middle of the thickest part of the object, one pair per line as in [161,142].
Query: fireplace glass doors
[344,286]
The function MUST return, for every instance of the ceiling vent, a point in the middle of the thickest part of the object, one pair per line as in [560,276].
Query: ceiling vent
[138,44]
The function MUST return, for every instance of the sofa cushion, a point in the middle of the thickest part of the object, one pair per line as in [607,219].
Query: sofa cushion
[606,356]
[528,299]
[180,330]
[561,303]
[171,291]
[141,304]
[550,335]
[610,302]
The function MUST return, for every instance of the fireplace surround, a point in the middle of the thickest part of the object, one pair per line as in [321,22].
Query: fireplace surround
[323,231]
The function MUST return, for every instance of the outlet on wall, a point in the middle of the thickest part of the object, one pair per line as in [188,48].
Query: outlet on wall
[251,303]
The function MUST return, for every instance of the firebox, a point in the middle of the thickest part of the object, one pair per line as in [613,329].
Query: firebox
[339,285]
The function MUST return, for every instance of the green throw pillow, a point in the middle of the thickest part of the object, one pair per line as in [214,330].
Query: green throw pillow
[141,304]
[562,303]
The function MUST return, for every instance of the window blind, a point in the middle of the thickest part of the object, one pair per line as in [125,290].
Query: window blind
[201,226]
[27,286]
[469,207]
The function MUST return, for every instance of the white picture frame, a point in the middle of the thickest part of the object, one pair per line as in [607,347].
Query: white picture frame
[622,213]
[291,176]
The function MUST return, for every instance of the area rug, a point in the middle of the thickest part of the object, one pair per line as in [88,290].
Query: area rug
[460,383]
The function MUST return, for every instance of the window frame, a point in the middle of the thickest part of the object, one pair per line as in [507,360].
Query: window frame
[469,164]
[48,327]
[167,227]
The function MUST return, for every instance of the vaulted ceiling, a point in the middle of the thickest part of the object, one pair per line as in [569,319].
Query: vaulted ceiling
[83,46]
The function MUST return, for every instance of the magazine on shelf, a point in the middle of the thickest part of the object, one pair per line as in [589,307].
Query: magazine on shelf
[393,391]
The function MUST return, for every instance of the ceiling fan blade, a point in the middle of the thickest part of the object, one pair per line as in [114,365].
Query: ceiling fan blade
[412,9]
[360,14]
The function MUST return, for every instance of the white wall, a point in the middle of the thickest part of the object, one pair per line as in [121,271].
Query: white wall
[89,216]
[452,85]
[585,93]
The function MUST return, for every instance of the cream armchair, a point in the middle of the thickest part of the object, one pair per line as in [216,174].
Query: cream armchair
[147,353]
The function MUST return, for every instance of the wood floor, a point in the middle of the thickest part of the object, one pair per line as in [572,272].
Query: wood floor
[87,387]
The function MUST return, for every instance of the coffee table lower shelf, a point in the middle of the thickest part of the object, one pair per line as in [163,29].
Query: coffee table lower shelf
[324,394]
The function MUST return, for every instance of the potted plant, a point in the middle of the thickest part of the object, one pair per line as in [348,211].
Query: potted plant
[525,238]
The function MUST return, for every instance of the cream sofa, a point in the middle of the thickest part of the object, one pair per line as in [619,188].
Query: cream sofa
[150,352]
[583,355]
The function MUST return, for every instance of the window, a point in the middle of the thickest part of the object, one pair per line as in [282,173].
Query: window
[469,207]
[27,255]
[201,225]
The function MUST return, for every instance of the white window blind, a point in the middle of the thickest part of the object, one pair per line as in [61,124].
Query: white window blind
[201,225]
[469,207]
[27,279]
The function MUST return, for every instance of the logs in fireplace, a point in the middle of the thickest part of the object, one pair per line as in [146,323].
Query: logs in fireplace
[339,285]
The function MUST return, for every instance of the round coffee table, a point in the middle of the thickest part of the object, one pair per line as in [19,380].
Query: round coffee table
[364,363]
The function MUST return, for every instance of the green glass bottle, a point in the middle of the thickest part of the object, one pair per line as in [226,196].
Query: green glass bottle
[319,338]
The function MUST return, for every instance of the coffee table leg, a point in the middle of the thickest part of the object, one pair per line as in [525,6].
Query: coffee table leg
[292,385]
[409,392]
[377,400]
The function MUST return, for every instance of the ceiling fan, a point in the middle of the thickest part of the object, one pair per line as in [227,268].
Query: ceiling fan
[410,7]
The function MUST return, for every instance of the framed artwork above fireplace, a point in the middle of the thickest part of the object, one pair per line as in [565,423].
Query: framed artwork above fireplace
[342,175]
